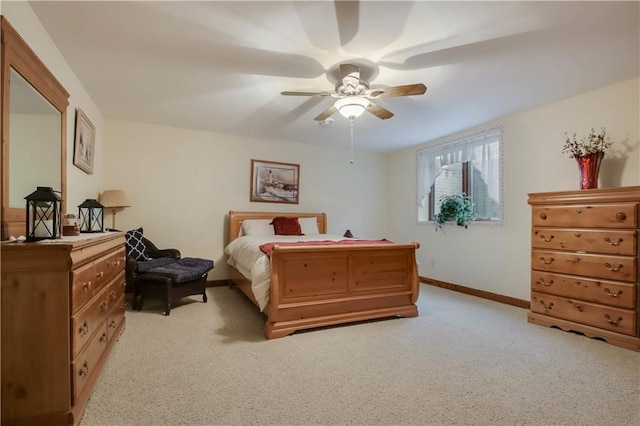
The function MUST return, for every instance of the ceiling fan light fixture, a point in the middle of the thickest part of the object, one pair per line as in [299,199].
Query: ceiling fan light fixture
[351,106]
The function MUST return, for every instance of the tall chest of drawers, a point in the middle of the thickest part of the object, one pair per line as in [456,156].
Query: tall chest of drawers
[584,263]
[63,308]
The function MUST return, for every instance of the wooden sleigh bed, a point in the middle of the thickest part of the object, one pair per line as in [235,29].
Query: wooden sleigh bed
[314,286]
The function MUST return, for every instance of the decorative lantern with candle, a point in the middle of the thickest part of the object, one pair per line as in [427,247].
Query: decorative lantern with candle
[90,214]
[44,214]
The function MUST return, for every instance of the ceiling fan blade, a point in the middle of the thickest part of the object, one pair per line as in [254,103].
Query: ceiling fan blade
[388,92]
[378,111]
[350,70]
[319,94]
[326,113]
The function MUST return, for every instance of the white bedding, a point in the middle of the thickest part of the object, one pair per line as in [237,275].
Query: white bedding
[245,255]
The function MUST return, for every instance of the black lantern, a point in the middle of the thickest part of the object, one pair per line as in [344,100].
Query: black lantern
[44,214]
[90,214]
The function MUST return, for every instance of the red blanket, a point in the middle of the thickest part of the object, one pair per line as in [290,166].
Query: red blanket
[267,247]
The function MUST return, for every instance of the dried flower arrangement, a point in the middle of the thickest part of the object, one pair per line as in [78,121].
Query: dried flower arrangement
[592,144]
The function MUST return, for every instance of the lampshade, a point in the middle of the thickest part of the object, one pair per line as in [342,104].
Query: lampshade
[351,106]
[114,198]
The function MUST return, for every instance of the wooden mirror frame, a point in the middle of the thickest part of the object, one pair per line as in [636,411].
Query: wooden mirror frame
[17,54]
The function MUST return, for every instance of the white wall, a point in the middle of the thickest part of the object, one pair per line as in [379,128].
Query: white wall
[182,184]
[80,185]
[498,259]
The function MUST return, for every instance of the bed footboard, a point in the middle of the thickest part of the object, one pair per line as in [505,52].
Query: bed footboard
[320,286]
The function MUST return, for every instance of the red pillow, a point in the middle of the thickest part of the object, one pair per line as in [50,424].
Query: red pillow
[286,226]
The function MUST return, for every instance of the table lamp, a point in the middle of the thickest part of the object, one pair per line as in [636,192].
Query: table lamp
[114,200]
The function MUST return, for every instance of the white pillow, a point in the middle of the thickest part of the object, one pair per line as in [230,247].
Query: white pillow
[255,227]
[309,225]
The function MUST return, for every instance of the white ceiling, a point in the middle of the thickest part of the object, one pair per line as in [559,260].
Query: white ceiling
[220,66]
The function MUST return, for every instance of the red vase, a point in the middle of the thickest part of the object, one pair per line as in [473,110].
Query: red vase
[589,166]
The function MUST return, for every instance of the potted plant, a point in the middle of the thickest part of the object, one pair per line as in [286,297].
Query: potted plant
[456,207]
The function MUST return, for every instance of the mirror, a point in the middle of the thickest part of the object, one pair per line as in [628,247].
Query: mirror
[34,141]
[34,117]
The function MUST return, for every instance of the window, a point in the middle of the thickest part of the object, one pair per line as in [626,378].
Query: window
[471,164]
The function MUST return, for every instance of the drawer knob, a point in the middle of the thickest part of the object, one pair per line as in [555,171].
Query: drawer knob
[578,259]
[103,306]
[613,268]
[580,308]
[578,235]
[113,295]
[613,321]
[544,282]
[103,338]
[621,216]
[84,328]
[543,216]
[84,371]
[86,285]
[112,324]
[124,305]
[613,243]
[545,261]
[99,275]
[579,211]
[546,239]
[549,306]
[611,294]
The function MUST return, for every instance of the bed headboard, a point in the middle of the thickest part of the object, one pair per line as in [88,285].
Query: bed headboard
[236,218]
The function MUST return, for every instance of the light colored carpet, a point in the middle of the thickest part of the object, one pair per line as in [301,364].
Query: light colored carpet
[464,360]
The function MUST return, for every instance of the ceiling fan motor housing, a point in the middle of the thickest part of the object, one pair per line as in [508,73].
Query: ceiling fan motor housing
[350,88]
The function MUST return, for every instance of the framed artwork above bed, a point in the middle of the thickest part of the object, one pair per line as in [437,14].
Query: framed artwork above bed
[274,182]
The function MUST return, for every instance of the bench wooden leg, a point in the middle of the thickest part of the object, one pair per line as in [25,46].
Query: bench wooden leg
[168,296]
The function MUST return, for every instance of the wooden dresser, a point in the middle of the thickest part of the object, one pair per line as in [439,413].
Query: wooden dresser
[584,263]
[63,309]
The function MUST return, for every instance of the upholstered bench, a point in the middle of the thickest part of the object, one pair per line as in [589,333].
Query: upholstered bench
[170,280]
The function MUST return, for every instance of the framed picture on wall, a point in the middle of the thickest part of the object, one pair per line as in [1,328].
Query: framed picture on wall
[85,143]
[273,182]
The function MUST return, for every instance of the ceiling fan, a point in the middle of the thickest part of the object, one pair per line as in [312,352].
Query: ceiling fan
[354,95]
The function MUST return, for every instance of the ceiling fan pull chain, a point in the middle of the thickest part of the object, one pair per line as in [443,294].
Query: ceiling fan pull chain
[351,120]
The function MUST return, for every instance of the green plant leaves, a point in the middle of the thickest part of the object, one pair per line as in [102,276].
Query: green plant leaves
[456,207]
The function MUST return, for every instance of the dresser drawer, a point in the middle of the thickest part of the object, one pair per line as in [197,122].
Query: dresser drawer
[611,293]
[87,321]
[622,242]
[86,364]
[116,289]
[116,316]
[83,286]
[109,266]
[605,317]
[592,265]
[622,215]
